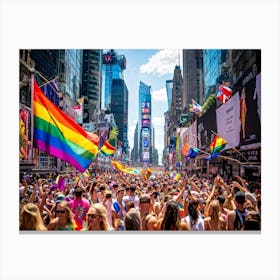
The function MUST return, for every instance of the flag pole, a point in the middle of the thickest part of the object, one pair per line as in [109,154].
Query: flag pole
[32,113]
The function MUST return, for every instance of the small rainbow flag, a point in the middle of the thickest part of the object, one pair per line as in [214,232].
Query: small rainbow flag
[107,149]
[217,145]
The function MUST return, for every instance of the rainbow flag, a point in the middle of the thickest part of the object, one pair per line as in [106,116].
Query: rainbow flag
[122,168]
[58,135]
[185,149]
[217,145]
[177,177]
[107,149]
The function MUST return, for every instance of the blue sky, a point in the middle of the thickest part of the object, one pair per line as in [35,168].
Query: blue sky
[153,67]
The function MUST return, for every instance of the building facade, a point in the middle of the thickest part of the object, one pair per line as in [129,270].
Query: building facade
[145,123]
[113,65]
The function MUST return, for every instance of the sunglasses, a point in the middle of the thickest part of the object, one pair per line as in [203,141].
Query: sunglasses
[60,211]
[93,216]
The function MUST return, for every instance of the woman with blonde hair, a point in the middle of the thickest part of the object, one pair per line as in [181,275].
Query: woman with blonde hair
[214,220]
[30,218]
[64,218]
[97,218]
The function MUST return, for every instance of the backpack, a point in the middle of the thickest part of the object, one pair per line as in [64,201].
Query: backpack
[240,219]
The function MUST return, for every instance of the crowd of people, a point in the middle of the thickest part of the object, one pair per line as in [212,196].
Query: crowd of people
[111,200]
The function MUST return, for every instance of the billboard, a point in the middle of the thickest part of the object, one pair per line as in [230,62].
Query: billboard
[108,59]
[145,116]
[145,110]
[146,142]
[146,155]
[145,132]
[251,112]
[189,135]
[228,122]
[205,124]
[146,123]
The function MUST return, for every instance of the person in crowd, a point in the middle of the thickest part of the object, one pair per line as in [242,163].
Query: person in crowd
[132,196]
[214,220]
[148,218]
[79,207]
[64,218]
[132,220]
[30,218]
[118,208]
[193,219]
[252,221]
[96,218]
[171,218]
[236,217]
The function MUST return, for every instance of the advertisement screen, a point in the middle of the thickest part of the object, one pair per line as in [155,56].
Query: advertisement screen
[189,136]
[205,124]
[146,142]
[146,132]
[146,155]
[145,116]
[250,109]
[145,110]
[145,123]
[228,122]
[145,105]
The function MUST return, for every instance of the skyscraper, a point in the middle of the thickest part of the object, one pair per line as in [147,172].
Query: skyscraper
[91,82]
[113,66]
[169,87]
[193,77]
[119,94]
[145,125]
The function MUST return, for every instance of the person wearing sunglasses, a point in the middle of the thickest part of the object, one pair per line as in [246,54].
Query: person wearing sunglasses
[96,218]
[64,218]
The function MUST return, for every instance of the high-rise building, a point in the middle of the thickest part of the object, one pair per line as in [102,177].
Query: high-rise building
[91,82]
[112,68]
[134,152]
[193,77]
[212,69]
[145,125]
[177,95]
[169,87]
[70,81]
[119,93]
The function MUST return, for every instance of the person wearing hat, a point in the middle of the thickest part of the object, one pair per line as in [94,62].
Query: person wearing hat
[237,216]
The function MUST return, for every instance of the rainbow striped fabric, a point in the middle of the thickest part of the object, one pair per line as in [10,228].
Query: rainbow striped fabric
[107,149]
[58,135]
[217,144]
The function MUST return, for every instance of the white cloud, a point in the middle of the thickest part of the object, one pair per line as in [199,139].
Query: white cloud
[158,121]
[160,95]
[163,62]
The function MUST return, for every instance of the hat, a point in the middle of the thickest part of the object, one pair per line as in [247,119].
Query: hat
[59,198]
[240,197]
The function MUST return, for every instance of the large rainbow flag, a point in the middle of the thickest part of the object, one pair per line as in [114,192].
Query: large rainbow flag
[58,135]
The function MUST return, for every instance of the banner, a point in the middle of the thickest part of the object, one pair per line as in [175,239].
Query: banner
[189,135]
[228,122]
[252,122]
[205,124]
